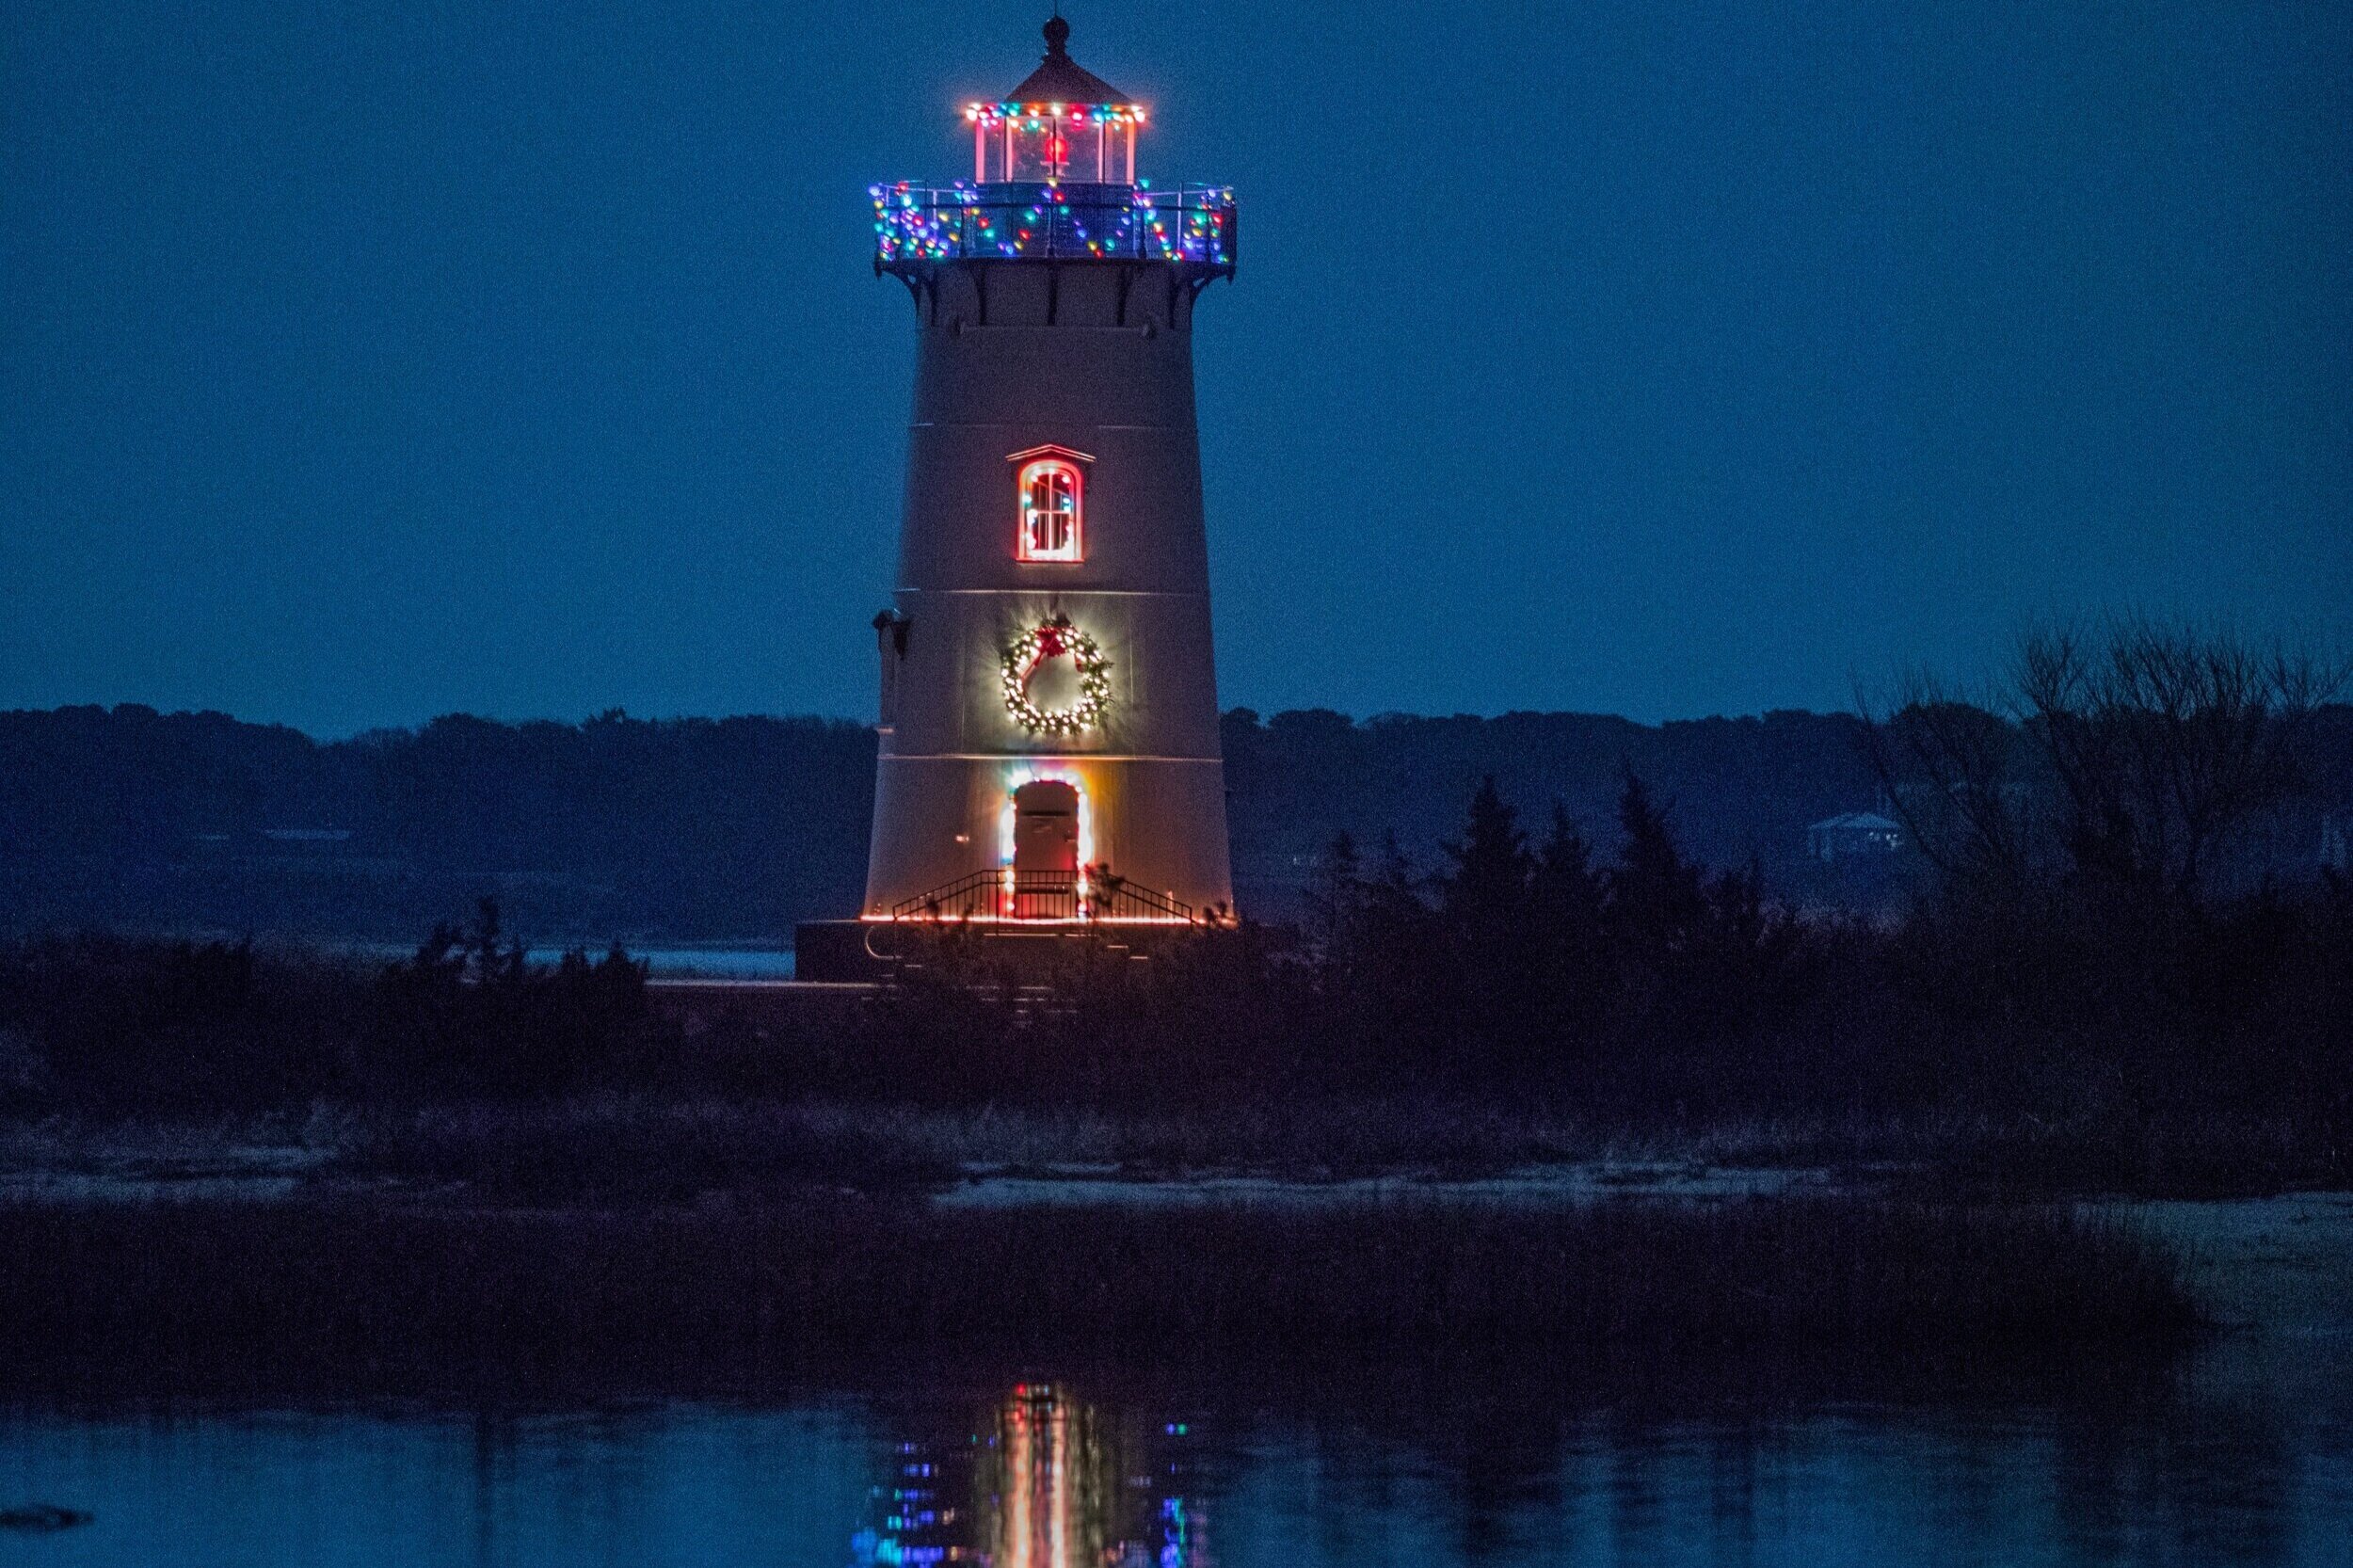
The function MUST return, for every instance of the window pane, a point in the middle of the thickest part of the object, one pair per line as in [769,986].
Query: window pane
[1049,513]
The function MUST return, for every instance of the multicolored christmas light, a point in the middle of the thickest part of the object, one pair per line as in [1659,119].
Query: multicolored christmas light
[1038,117]
[932,223]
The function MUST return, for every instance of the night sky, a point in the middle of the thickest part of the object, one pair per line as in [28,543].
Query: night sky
[367,363]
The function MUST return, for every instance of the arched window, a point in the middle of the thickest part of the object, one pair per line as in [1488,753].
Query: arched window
[1050,494]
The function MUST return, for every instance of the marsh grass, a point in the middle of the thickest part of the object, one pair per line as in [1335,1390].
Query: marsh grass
[633,1149]
[630,1148]
[640,1147]
[367,1295]
[643,1147]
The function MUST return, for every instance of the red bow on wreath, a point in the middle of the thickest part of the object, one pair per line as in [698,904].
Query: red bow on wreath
[1052,639]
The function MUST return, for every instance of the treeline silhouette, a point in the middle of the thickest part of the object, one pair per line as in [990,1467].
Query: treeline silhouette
[658,830]
[738,828]
[673,828]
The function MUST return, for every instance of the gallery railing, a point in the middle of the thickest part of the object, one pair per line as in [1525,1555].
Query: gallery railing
[918,224]
[1001,895]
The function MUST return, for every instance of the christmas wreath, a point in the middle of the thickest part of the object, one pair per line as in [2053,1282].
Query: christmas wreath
[1051,639]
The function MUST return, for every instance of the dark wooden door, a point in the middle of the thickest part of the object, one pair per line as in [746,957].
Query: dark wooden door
[1044,850]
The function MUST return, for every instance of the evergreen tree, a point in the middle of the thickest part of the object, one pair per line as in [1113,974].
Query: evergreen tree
[1563,886]
[1336,896]
[1568,898]
[1658,899]
[1487,891]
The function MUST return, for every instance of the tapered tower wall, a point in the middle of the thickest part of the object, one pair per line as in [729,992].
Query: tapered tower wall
[1095,356]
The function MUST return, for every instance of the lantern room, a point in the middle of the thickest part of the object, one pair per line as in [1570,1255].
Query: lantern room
[1053,179]
[1062,123]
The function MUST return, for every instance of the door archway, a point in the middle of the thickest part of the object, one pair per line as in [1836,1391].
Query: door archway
[1044,850]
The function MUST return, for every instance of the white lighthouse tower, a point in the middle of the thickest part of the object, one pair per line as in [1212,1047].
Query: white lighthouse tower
[1049,722]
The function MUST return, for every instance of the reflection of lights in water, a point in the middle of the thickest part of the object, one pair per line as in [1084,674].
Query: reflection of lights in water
[917,1519]
[1034,1492]
[1045,1481]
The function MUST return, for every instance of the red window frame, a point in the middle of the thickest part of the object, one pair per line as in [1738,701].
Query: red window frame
[1049,487]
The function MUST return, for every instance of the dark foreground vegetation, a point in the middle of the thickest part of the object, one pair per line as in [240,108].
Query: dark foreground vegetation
[2097,941]
[2087,992]
[1654,1013]
[1840,1294]
[547,1172]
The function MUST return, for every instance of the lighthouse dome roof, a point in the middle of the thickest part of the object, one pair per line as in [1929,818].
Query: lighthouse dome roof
[1060,79]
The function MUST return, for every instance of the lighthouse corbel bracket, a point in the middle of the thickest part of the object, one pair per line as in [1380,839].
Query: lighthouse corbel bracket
[918,227]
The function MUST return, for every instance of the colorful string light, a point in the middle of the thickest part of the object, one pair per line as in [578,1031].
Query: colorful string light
[930,223]
[1036,117]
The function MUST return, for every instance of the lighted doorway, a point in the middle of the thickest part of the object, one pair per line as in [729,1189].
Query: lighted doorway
[1044,850]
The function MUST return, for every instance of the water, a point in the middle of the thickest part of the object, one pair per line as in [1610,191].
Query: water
[693,963]
[1042,1475]
[2242,1456]
[688,963]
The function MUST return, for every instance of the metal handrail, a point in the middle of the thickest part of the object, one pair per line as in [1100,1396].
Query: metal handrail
[917,224]
[1039,896]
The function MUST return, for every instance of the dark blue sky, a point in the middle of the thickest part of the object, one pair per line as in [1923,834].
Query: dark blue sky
[366,362]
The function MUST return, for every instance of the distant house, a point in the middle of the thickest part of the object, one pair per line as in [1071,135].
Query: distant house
[281,844]
[1853,835]
[307,836]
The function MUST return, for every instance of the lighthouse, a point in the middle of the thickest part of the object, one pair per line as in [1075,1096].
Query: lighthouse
[1048,752]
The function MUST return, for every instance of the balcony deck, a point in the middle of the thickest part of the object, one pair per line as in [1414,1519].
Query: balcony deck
[917,227]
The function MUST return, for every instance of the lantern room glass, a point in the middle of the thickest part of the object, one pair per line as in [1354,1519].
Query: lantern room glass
[1049,513]
[1066,143]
